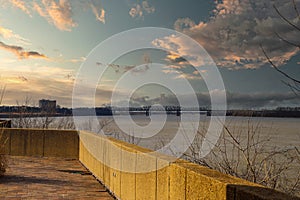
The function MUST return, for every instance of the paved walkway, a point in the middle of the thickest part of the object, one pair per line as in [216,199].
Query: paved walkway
[49,178]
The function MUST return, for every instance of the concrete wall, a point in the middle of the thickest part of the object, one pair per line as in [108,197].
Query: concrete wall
[131,172]
[39,142]
[127,171]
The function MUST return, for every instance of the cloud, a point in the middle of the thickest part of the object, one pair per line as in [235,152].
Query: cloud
[138,10]
[47,82]
[18,89]
[23,78]
[233,35]
[262,100]
[125,68]
[37,82]
[60,12]
[57,13]
[9,34]
[234,100]
[77,60]
[182,50]
[170,71]
[184,23]
[38,71]
[189,76]
[21,5]
[182,72]
[20,52]
[14,79]
[182,69]
[176,59]
[147,7]
[120,68]
[61,59]
[99,13]
[173,67]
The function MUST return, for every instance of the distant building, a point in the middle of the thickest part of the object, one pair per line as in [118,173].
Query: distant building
[47,105]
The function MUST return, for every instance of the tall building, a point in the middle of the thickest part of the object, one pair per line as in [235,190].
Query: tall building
[47,105]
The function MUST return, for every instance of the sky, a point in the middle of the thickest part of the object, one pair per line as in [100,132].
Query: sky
[43,45]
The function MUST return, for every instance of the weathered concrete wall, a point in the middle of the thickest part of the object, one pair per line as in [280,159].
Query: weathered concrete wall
[40,142]
[127,170]
[132,172]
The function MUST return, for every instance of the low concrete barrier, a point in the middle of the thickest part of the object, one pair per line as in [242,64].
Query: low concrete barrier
[131,172]
[39,142]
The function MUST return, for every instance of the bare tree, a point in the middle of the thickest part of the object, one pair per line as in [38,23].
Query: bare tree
[244,153]
[293,82]
[45,119]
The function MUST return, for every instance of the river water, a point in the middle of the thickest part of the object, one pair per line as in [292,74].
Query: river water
[282,132]
[157,129]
